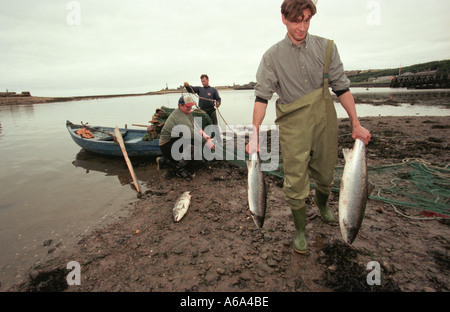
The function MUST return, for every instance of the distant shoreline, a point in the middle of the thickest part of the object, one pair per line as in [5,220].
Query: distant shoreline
[15,100]
[366,98]
[19,100]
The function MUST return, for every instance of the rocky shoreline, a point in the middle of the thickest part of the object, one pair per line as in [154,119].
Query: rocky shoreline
[217,248]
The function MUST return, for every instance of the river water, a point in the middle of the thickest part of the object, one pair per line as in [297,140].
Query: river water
[51,189]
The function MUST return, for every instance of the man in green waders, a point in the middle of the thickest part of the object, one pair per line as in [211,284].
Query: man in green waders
[300,69]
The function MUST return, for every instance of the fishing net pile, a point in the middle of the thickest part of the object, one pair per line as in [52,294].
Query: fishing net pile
[412,183]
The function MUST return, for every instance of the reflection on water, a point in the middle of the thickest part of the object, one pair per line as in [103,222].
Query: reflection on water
[18,111]
[111,166]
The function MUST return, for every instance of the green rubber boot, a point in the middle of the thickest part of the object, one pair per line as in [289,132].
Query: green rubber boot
[325,212]
[300,245]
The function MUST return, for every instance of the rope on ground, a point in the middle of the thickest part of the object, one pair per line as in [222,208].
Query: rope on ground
[430,168]
[414,218]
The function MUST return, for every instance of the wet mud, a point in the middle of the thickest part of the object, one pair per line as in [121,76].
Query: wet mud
[217,248]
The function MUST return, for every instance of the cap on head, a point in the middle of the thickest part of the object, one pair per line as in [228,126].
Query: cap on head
[186,100]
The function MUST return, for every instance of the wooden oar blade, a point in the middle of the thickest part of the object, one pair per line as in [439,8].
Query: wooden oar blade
[127,159]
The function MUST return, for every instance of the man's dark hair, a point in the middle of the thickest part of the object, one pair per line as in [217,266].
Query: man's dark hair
[293,9]
[204,76]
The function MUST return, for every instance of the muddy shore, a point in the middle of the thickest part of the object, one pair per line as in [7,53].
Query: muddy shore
[217,247]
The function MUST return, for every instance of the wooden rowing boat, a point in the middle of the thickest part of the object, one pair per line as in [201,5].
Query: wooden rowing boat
[103,141]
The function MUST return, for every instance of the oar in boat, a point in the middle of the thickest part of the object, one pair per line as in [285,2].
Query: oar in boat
[97,130]
[125,155]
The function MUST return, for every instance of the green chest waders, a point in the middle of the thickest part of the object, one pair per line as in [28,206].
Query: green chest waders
[308,141]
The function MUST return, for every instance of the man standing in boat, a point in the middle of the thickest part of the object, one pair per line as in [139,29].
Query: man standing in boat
[208,97]
[175,157]
[300,69]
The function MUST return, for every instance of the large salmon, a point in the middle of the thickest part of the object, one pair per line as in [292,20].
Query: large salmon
[354,191]
[256,190]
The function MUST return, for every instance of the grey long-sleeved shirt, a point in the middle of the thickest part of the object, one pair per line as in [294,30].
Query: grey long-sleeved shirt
[292,71]
[177,118]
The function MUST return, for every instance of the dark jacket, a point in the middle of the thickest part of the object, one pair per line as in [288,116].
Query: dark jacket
[209,93]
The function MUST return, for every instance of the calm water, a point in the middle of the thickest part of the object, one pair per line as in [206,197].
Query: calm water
[51,189]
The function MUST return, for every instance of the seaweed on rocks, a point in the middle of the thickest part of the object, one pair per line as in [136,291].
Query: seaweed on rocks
[343,273]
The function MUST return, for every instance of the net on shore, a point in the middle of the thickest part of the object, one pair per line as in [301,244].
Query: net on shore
[413,183]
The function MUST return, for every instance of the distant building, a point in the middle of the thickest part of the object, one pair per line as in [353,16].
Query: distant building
[380,79]
[8,93]
[427,73]
[350,73]
[248,86]
[12,94]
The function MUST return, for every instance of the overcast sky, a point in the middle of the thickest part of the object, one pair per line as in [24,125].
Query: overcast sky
[89,47]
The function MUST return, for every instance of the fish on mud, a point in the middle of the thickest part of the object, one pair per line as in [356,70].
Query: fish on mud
[354,191]
[257,194]
[181,206]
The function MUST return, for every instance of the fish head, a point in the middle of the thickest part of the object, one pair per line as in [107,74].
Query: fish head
[259,220]
[351,234]
[348,231]
[176,216]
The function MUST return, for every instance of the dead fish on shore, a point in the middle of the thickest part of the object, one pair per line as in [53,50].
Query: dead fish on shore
[256,190]
[181,206]
[354,191]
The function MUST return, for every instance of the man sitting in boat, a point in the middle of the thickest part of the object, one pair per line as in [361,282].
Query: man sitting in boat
[178,140]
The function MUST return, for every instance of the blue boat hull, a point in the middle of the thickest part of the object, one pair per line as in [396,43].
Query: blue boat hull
[104,144]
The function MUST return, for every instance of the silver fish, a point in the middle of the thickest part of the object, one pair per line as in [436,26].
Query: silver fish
[256,190]
[181,206]
[354,191]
